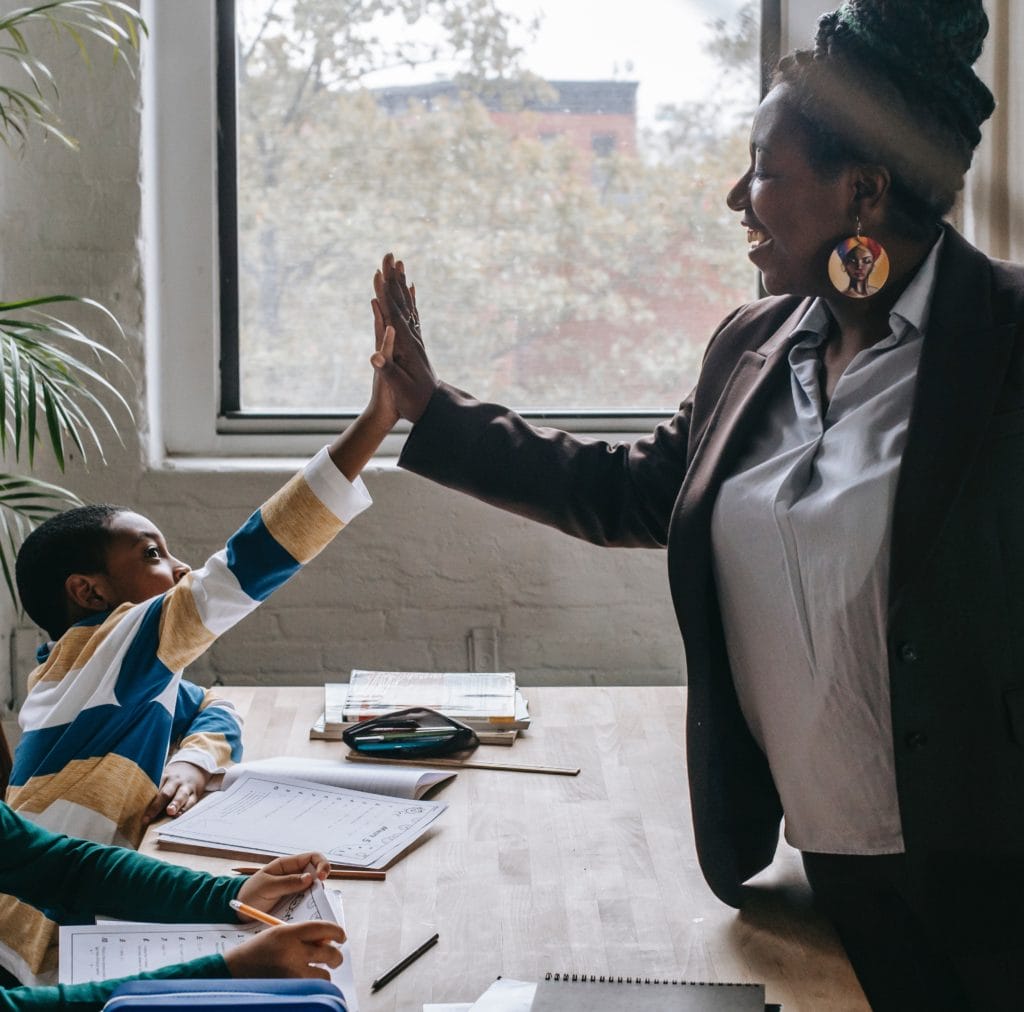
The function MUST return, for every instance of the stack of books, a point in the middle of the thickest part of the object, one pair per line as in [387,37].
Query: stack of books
[489,702]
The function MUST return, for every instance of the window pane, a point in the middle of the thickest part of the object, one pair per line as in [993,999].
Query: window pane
[553,178]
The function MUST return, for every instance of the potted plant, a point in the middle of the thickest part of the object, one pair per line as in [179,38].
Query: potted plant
[52,381]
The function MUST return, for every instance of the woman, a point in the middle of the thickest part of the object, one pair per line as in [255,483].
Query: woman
[866,456]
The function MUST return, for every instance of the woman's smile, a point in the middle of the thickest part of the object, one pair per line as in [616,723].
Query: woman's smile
[756,238]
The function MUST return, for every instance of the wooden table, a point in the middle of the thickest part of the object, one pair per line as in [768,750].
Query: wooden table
[526,873]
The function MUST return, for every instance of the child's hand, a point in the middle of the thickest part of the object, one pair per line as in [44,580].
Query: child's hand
[181,786]
[284,876]
[288,951]
[381,408]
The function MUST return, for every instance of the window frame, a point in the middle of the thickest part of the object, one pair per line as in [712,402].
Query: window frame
[190,221]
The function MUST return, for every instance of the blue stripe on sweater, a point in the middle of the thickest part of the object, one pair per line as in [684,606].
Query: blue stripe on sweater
[141,736]
[143,676]
[189,719]
[258,562]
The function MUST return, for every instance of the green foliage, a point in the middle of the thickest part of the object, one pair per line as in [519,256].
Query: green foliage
[34,101]
[51,372]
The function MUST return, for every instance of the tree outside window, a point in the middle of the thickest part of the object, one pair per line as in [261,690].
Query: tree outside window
[569,253]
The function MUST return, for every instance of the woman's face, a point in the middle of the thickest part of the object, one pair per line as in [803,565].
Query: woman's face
[858,263]
[793,216]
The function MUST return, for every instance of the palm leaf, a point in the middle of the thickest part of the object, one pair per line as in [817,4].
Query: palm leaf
[24,503]
[42,371]
[111,22]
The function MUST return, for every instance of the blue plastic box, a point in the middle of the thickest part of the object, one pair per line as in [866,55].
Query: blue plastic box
[197,995]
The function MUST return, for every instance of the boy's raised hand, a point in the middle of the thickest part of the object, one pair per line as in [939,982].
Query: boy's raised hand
[401,361]
[288,951]
[181,786]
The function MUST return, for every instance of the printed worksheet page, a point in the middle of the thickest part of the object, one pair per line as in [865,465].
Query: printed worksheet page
[271,816]
[125,948]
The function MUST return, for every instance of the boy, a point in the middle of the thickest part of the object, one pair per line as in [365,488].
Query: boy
[108,699]
[86,878]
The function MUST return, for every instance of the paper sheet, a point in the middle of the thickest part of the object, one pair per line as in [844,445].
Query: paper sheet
[395,781]
[506,996]
[503,995]
[124,948]
[270,816]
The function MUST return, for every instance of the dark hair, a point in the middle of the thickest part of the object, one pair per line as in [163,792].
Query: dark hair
[847,246]
[74,541]
[891,82]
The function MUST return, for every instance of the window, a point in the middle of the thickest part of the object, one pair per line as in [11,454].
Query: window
[361,133]
[558,198]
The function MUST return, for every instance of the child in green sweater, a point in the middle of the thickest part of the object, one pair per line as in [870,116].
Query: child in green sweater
[83,879]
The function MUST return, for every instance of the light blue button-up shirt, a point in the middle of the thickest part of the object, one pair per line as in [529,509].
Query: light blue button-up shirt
[800,534]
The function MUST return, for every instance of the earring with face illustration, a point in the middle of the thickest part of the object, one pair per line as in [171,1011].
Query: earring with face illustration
[858,267]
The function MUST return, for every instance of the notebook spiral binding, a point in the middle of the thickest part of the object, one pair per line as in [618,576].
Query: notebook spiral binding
[582,978]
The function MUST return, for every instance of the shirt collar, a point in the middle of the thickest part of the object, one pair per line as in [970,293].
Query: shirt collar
[910,313]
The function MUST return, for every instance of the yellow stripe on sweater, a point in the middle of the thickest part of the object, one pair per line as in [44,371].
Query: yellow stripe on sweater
[75,648]
[183,636]
[212,743]
[27,932]
[110,785]
[298,521]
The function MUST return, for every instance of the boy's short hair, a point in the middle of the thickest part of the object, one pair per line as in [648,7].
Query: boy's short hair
[74,541]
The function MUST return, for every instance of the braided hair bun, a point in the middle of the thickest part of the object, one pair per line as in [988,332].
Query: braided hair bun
[892,81]
[929,48]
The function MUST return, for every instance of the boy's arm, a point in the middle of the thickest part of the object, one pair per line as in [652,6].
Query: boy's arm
[284,534]
[209,736]
[296,523]
[207,729]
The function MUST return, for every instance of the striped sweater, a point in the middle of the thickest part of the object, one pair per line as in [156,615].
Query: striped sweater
[108,701]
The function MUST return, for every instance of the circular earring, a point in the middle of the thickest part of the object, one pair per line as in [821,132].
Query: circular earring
[859,266]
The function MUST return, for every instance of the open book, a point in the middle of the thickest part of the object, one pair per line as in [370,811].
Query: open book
[395,781]
[124,948]
[262,816]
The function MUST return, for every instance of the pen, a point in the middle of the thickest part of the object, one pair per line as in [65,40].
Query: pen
[353,873]
[389,975]
[256,915]
[469,764]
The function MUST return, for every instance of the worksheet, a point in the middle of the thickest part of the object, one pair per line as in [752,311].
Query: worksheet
[266,816]
[124,948]
[396,781]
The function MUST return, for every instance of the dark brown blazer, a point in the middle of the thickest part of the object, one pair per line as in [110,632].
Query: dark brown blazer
[956,606]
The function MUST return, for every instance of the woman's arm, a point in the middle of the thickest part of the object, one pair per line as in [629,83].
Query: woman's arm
[610,494]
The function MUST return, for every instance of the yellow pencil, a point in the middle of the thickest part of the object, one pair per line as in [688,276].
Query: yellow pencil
[351,873]
[256,915]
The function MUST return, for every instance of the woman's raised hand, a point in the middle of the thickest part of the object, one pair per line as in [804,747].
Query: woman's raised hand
[405,379]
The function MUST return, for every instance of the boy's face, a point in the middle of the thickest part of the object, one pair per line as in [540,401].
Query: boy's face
[139,566]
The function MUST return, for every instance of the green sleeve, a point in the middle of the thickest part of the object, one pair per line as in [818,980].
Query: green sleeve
[83,997]
[74,880]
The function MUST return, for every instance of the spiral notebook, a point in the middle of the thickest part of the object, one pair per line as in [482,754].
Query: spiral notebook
[579,992]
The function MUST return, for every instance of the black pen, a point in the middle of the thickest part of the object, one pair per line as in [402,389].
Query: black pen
[403,963]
